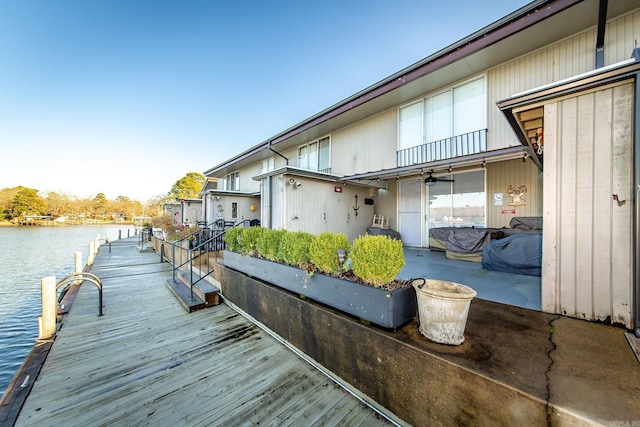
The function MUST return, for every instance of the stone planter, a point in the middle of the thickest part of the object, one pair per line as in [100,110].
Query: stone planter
[389,309]
[443,308]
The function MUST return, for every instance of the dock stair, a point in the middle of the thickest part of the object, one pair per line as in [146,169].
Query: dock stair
[201,294]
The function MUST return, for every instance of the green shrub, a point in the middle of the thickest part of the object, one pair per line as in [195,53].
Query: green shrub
[322,251]
[249,240]
[294,248]
[268,243]
[377,260]
[232,238]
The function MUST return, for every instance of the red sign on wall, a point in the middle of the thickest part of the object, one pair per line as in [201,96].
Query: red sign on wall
[508,211]
[337,189]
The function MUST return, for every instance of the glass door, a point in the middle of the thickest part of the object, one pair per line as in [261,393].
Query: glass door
[456,200]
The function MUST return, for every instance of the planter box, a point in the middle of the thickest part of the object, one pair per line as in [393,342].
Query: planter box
[389,309]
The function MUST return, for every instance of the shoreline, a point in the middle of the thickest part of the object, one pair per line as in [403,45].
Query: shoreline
[61,224]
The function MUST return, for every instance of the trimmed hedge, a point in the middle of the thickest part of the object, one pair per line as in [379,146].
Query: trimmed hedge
[322,251]
[294,248]
[377,259]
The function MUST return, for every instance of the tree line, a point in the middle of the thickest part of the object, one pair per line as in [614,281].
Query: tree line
[22,201]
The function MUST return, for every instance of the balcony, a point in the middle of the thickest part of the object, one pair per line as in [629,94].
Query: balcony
[449,148]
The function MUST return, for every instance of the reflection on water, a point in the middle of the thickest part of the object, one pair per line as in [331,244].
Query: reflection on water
[27,254]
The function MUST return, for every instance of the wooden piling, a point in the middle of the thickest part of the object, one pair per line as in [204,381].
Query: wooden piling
[78,265]
[47,322]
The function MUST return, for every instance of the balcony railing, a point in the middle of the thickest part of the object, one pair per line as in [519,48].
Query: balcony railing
[456,146]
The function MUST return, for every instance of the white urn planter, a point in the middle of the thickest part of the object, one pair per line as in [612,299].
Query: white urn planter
[443,308]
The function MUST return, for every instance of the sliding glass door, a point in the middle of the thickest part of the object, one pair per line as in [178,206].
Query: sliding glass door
[457,200]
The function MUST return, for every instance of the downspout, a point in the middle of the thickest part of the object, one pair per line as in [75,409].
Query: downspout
[602,23]
[285,159]
[267,209]
[269,184]
[636,208]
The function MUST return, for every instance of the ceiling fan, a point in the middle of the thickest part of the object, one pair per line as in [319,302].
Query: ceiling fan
[431,180]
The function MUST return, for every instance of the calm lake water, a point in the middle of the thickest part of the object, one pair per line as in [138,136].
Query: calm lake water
[27,254]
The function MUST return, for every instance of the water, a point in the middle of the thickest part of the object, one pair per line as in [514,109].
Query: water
[27,255]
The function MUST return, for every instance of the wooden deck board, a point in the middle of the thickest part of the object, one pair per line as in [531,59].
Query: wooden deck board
[147,362]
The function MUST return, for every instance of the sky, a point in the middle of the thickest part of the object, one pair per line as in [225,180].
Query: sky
[125,97]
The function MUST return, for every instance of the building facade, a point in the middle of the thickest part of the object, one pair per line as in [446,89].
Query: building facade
[532,116]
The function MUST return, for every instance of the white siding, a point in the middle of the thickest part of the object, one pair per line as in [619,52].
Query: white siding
[587,266]
[316,207]
[247,183]
[514,172]
[366,146]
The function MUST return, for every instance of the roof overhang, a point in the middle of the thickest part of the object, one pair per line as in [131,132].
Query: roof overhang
[516,107]
[292,170]
[222,193]
[315,175]
[440,166]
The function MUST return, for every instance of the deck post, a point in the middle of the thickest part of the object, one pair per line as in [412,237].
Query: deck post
[78,265]
[47,322]
[92,253]
[96,246]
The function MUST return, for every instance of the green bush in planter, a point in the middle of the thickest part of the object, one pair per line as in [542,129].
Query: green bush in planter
[249,240]
[268,243]
[232,238]
[377,260]
[294,248]
[322,251]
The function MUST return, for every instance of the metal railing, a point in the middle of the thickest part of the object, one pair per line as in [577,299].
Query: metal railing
[78,278]
[449,148]
[189,254]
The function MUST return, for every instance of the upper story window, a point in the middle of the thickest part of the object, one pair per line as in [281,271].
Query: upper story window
[267,165]
[315,155]
[231,181]
[445,125]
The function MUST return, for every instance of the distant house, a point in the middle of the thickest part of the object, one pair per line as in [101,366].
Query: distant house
[535,115]
[184,211]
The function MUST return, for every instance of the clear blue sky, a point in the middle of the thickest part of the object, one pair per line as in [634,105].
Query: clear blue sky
[125,97]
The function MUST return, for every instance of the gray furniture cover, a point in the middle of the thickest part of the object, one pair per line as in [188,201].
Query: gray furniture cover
[519,254]
[375,231]
[467,243]
[526,222]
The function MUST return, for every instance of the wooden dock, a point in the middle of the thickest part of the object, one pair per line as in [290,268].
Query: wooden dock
[148,362]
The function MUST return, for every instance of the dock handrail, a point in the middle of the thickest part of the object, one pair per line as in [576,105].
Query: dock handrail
[206,240]
[78,278]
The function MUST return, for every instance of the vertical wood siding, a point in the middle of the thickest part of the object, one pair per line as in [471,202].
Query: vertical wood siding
[366,146]
[315,207]
[514,172]
[587,267]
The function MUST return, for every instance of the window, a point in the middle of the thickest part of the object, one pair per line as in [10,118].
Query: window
[456,111]
[231,181]
[459,202]
[410,126]
[267,165]
[315,155]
